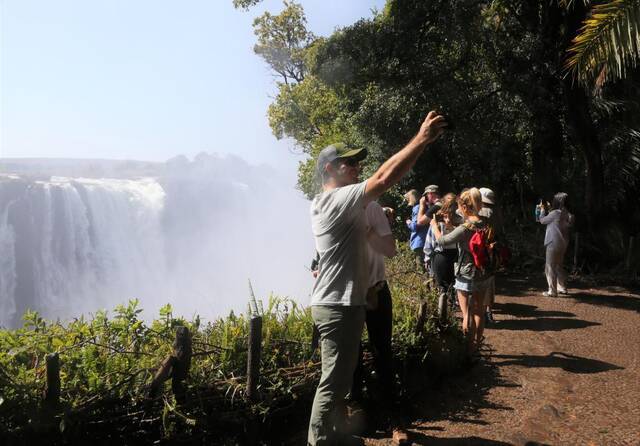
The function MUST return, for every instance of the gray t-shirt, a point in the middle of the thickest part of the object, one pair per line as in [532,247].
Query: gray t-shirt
[338,224]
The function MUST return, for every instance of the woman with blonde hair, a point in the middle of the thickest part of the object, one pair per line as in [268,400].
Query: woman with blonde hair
[470,282]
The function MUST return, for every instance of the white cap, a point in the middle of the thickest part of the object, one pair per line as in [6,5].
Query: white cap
[487,195]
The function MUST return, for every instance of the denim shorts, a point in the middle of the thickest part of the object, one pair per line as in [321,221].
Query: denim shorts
[483,286]
[463,284]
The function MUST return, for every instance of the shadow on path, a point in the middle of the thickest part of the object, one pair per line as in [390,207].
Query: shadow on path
[520,285]
[529,317]
[459,399]
[542,324]
[621,301]
[535,284]
[422,439]
[568,363]
[524,310]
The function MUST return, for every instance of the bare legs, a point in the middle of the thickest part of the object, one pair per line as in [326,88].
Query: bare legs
[463,300]
[472,308]
[477,314]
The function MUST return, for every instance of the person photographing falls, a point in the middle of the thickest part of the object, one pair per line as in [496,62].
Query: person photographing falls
[338,298]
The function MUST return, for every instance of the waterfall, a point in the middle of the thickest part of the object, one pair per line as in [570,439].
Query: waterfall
[7,268]
[190,236]
[70,245]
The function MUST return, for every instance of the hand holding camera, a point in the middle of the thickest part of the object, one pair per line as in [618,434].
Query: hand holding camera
[541,208]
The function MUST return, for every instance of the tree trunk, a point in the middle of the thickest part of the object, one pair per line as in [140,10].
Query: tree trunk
[547,147]
[582,128]
[584,133]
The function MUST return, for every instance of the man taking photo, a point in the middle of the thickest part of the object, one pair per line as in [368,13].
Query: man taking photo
[339,294]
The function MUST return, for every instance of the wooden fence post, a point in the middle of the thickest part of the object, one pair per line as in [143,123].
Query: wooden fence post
[176,366]
[52,391]
[162,374]
[182,352]
[253,359]
[627,263]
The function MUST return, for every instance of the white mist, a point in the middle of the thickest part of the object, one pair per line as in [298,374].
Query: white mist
[191,235]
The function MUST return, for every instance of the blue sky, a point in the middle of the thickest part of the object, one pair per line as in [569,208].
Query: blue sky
[143,79]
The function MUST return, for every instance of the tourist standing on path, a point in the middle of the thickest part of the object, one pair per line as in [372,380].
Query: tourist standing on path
[379,319]
[381,244]
[493,219]
[339,293]
[379,314]
[442,257]
[470,282]
[429,204]
[556,241]
[418,232]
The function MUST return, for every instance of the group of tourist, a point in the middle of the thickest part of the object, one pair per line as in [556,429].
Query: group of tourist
[441,231]
[353,236]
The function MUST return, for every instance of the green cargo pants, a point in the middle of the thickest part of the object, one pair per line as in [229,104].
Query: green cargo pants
[340,330]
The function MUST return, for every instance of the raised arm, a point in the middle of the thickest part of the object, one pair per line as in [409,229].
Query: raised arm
[423,219]
[545,218]
[400,163]
[453,237]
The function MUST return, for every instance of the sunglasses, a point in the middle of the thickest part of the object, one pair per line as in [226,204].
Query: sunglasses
[351,162]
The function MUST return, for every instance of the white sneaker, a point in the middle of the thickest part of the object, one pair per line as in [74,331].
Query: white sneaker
[563,292]
[548,294]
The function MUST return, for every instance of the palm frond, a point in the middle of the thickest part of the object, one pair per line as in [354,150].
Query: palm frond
[622,159]
[607,107]
[607,45]
[569,3]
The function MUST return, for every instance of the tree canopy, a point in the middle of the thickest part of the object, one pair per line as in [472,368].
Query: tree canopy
[498,71]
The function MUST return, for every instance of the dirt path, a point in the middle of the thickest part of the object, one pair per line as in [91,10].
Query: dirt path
[558,371]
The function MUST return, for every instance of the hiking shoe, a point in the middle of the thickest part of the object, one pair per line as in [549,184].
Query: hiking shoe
[400,437]
[488,317]
[548,294]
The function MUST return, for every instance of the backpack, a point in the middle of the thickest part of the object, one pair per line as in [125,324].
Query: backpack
[481,247]
[488,254]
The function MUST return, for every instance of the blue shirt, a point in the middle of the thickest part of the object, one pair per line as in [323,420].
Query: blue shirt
[418,232]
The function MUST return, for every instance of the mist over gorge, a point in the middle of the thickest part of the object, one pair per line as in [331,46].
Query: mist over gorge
[81,235]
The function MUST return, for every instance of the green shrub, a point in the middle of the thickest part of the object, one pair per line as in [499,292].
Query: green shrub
[108,362]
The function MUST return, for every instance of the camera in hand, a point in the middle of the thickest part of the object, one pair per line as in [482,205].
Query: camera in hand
[450,124]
